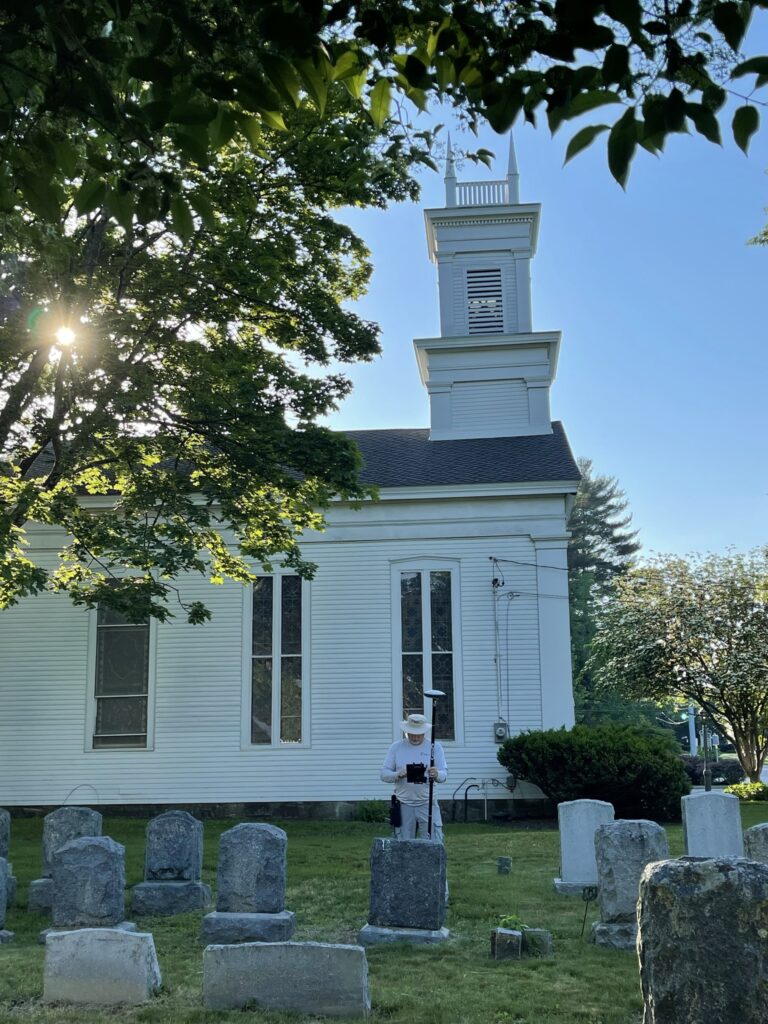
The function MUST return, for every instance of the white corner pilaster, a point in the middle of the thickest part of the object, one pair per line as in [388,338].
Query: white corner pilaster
[439,406]
[554,631]
[445,285]
[523,271]
[538,404]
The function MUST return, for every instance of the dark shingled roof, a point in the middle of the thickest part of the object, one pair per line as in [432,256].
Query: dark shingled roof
[407,458]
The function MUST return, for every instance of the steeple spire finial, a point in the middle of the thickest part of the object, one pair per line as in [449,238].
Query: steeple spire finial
[450,176]
[513,177]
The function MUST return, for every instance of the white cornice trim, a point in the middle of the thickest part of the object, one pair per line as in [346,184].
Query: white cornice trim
[446,492]
[470,341]
[460,216]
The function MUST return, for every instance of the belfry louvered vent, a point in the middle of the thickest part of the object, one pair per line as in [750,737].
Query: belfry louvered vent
[485,311]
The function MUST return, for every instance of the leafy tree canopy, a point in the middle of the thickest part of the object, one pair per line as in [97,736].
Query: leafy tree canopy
[602,545]
[694,629]
[166,173]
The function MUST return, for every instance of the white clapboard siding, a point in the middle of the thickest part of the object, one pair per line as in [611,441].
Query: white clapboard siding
[198,672]
[489,405]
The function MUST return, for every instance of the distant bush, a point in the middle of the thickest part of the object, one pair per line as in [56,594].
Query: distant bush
[371,810]
[633,769]
[749,791]
[723,772]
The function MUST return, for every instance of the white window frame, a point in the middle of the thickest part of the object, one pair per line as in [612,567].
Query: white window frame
[245,732]
[428,564]
[92,699]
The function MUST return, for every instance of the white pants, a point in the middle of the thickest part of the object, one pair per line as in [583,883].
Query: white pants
[414,817]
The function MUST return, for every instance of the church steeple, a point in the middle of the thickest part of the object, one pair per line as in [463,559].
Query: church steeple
[488,374]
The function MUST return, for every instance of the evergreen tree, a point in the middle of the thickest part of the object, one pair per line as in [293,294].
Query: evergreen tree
[602,546]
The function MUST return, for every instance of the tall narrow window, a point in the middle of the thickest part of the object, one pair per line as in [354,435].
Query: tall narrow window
[122,680]
[277,663]
[485,312]
[426,619]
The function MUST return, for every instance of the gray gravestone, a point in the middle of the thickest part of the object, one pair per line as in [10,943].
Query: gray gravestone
[88,883]
[59,827]
[622,851]
[756,843]
[172,865]
[407,891]
[5,843]
[688,908]
[5,936]
[576,822]
[712,825]
[308,978]
[250,905]
[100,966]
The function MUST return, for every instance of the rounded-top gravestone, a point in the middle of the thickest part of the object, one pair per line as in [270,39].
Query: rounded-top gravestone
[89,883]
[703,941]
[174,848]
[251,871]
[756,843]
[63,825]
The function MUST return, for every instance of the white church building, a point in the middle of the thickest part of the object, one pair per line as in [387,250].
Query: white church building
[455,578]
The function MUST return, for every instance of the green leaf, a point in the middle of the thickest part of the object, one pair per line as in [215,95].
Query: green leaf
[150,69]
[616,63]
[41,195]
[502,114]
[746,121]
[316,81]
[705,121]
[66,157]
[755,65]
[222,128]
[90,195]
[274,119]
[583,139]
[354,84]
[446,71]
[621,146]
[587,101]
[728,20]
[347,66]
[381,97]
[251,129]
[193,142]
[120,204]
[203,206]
[181,216]
[283,77]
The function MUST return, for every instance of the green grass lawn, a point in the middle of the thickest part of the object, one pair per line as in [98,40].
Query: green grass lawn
[456,983]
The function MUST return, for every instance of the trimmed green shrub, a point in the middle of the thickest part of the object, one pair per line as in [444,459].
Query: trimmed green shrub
[633,769]
[749,791]
[723,772]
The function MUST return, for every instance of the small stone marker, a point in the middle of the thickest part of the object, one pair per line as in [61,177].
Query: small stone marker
[314,978]
[712,825]
[5,936]
[688,909]
[506,944]
[622,851]
[503,865]
[407,902]
[88,883]
[59,827]
[173,863]
[5,842]
[100,966]
[537,942]
[577,821]
[756,843]
[250,905]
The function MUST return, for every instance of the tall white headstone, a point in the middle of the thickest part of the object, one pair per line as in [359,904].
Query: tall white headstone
[577,821]
[712,825]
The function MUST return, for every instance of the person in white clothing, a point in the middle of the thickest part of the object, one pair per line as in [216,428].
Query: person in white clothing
[409,758]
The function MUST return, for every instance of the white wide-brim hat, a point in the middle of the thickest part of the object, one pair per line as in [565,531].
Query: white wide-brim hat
[416,725]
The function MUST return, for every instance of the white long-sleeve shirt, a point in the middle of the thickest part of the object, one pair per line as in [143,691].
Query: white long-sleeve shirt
[404,752]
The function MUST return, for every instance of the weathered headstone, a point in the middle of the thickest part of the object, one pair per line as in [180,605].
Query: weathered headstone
[59,827]
[100,966]
[5,936]
[577,821]
[88,883]
[623,849]
[310,978]
[689,908]
[712,825]
[173,863]
[756,843]
[506,944]
[407,902]
[250,904]
[5,843]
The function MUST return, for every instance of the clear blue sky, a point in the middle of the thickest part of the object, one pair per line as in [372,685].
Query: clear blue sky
[664,312]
